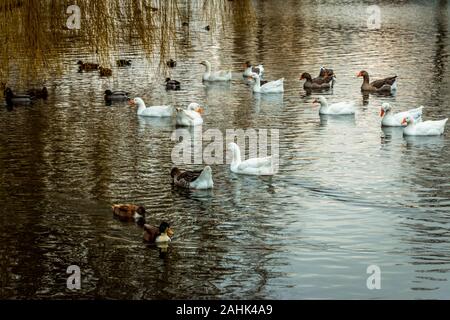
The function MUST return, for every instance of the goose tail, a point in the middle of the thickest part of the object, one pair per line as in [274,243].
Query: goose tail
[394,86]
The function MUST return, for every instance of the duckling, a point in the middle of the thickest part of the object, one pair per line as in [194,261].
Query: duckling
[151,233]
[116,95]
[87,66]
[171,63]
[123,63]
[207,28]
[172,84]
[12,98]
[127,212]
[105,72]
[38,93]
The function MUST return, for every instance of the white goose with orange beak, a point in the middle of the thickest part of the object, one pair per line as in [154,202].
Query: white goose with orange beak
[192,116]
[395,120]
[153,111]
[425,128]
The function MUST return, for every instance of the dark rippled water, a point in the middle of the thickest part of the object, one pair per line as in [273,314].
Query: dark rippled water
[348,194]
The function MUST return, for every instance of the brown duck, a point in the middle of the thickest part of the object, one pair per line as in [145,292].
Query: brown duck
[151,233]
[386,85]
[316,83]
[38,93]
[87,66]
[105,72]
[129,212]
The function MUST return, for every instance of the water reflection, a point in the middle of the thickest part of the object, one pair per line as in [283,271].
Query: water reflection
[349,193]
[427,142]
[337,120]
[152,123]
[268,103]
[391,133]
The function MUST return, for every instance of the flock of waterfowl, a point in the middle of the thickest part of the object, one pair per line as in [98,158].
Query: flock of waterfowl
[411,120]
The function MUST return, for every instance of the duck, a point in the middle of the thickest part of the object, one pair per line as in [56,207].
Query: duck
[325,72]
[152,233]
[105,72]
[207,28]
[128,212]
[172,84]
[153,111]
[316,83]
[193,179]
[425,128]
[87,66]
[215,75]
[276,86]
[171,63]
[123,63]
[192,116]
[339,108]
[38,93]
[249,69]
[116,95]
[255,166]
[395,120]
[324,76]
[12,98]
[386,85]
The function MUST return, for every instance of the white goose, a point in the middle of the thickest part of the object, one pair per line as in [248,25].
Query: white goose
[249,69]
[395,120]
[256,166]
[153,111]
[339,108]
[269,87]
[426,128]
[215,75]
[190,116]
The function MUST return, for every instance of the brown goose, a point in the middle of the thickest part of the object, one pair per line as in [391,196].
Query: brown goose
[193,179]
[383,85]
[151,233]
[325,83]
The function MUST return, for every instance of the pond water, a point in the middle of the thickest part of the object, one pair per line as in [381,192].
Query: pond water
[348,193]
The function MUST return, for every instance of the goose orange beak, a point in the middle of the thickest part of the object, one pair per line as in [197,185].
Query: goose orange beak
[404,122]
[382,112]
[359,74]
[170,232]
[131,102]
[199,110]
[315,101]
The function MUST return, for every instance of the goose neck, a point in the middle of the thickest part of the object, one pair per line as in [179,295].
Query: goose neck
[366,78]
[141,107]
[236,155]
